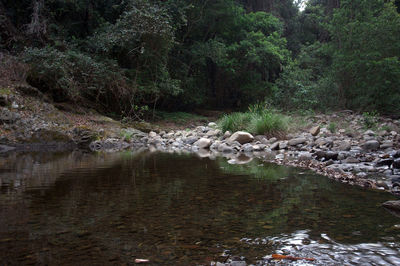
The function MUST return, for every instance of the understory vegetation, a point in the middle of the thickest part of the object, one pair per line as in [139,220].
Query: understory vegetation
[134,58]
[257,120]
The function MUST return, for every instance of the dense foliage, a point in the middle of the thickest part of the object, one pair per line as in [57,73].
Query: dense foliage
[130,56]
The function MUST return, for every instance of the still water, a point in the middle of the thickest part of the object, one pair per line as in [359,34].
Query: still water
[178,209]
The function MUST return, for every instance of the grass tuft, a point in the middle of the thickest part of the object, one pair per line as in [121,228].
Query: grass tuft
[260,122]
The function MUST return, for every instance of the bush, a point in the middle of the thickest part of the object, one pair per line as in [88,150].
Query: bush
[255,121]
[77,77]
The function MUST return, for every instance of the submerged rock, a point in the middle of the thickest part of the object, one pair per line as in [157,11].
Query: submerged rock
[392,204]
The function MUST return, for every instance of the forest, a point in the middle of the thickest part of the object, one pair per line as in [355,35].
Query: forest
[132,57]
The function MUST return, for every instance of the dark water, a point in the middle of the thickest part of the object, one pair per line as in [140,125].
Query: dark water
[104,209]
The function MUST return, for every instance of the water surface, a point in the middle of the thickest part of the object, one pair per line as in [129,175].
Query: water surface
[80,208]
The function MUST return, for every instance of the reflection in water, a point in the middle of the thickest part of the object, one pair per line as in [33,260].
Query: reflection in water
[182,210]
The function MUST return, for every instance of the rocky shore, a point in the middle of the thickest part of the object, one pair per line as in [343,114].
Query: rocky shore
[350,153]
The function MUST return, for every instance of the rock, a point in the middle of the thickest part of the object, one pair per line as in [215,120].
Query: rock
[282,145]
[297,141]
[272,140]
[351,160]
[9,117]
[241,137]
[385,162]
[305,156]
[396,164]
[152,134]
[392,204]
[224,148]
[369,133]
[371,145]
[215,145]
[386,144]
[4,101]
[344,146]
[328,155]
[203,143]
[5,148]
[190,140]
[227,134]
[274,146]
[247,147]
[14,105]
[382,184]
[259,147]
[315,130]
[212,124]
[213,133]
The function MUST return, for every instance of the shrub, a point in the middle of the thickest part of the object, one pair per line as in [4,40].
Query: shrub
[255,121]
[75,76]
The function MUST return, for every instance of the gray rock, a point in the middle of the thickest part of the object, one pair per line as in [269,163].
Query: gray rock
[9,117]
[344,146]
[5,148]
[274,146]
[297,141]
[152,134]
[227,134]
[351,160]
[203,143]
[386,144]
[282,145]
[371,145]
[247,147]
[272,140]
[212,124]
[396,164]
[315,130]
[215,145]
[190,140]
[393,205]
[328,155]
[305,156]
[241,137]
[224,148]
[369,132]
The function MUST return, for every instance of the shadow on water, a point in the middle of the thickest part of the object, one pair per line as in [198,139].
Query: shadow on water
[72,208]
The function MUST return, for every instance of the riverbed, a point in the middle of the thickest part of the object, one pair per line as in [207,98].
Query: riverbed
[72,208]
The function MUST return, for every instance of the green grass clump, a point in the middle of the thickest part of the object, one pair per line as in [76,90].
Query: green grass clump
[258,122]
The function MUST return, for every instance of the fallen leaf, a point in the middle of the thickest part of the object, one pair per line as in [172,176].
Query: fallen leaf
[141,261]
[284,257]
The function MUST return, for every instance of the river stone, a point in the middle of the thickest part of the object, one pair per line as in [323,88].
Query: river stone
[328,155]
[227,134]
[315,130]
[224,148]
[215,145]
[297,141]
[369,133]
[152,134]
[386,144]
[203,143]
[344,146]
[212,124]
[247,147]
[305,156]
[241,137]
[351,160]
[392,204]
[396,164]
[190,140]
[9,117]
[282,145]
[274,146]
[272,140]
[371,145]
